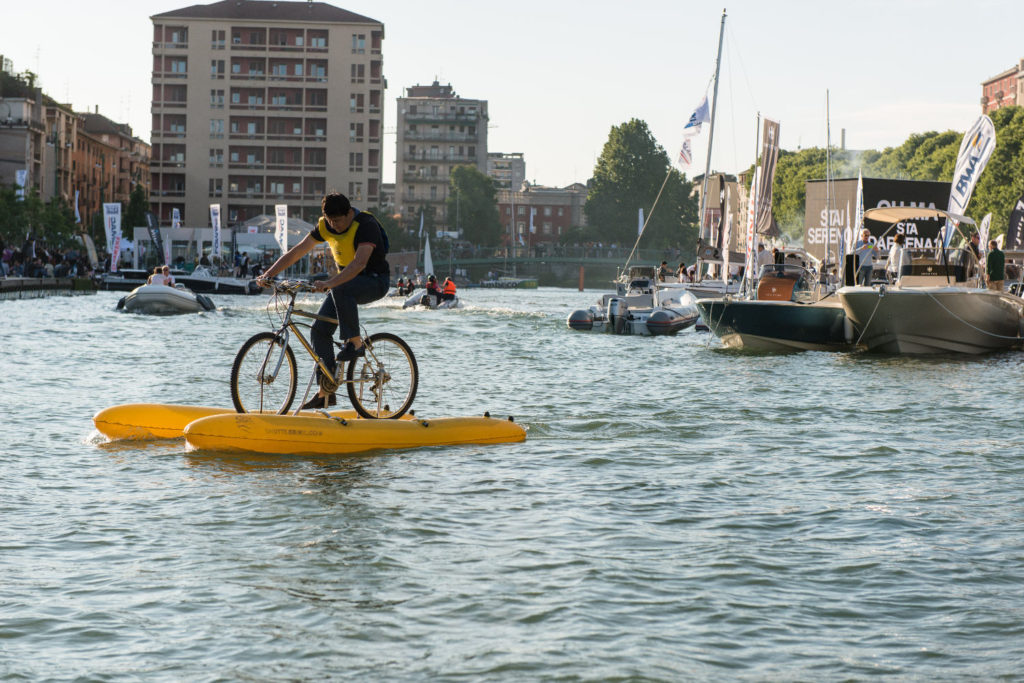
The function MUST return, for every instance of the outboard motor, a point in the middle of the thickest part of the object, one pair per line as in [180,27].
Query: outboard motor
[581,320]
[616,309]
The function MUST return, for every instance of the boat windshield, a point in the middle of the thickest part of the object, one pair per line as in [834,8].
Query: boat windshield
[785,282]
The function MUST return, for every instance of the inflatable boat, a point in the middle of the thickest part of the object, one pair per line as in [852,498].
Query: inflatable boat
[165,300]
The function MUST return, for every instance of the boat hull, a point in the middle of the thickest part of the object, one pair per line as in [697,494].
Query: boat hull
[777,326]
[928,320]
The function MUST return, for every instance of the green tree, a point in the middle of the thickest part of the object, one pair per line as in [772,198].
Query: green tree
[472,206]
[628,176]
[135,214]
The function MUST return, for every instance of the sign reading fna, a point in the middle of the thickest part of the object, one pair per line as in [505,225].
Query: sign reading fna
[825,224]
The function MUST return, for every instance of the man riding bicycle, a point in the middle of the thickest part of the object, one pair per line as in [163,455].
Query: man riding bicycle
[359,247]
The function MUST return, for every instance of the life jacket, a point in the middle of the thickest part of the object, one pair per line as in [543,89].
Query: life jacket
[343,246]
[449,287]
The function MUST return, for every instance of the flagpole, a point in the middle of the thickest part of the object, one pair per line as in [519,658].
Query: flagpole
[711,140]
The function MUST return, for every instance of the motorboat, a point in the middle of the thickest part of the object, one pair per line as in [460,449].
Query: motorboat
[639,306]
[789,309]
[431,301]
[937,304]
[202,280]
[165,300]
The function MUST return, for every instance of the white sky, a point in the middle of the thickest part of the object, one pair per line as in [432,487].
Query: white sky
[558,75]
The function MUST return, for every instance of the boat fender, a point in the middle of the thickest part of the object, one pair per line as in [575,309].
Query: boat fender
[487,413]
[120,304]
[205,302]
[511,419]
[881,291]
[413,413]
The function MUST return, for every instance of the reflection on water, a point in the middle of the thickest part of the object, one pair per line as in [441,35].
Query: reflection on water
[678,510]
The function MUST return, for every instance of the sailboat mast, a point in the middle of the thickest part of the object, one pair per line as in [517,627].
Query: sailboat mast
[711,136]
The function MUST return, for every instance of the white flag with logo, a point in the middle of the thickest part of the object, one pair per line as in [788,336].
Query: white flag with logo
[640,221]
[281,233]
[701,115]
[175,217]
[215,224]
[975,150]
[533,212]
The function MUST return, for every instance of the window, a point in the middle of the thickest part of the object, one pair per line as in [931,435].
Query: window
[236,97]
[251,128]
[216,157]
[279,69]
[318,70]
[547,210]
[276,187]
[234,156]
[217,128]
[255,98]
[317,40]
[316,157]
[217,99]
[217,40]
[279,99]
[358,43]
[217,68]
[236,68]
[299,40]
[216,187]
[179,66]
[316,98]
[179,35]
[298,69]
[358,72]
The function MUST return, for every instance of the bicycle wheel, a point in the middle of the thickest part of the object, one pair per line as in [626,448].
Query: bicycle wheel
[263,377]
[382,384]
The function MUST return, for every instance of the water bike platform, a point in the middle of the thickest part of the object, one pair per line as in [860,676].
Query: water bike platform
[308,433]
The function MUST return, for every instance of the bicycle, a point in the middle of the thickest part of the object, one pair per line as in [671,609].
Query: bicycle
[264,373]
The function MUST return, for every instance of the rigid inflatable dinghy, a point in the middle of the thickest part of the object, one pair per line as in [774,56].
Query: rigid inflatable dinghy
[285,434]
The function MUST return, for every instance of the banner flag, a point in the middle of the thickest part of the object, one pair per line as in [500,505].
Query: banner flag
[175,217]
[702,114]
[685,154]
[154,235]
[858,218]
[640,221]
[765,223]
[983,232]
[533,212]
[78,216]
[112,223]
[421,225]
[281,233]
[1015,230]
[727,233]
[975,150]
[751,265]
[20,179]
[215,223]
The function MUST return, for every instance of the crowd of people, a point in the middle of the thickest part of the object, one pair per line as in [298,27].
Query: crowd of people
[35,259]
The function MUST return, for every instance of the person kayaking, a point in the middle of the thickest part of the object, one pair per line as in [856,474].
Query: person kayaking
[359,246]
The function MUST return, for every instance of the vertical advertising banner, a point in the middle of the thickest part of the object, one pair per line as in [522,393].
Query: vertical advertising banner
[175,218]
[751,240]
[281,230]
[975,150]
[215,224]
[765,224]
[20,178]
[1015,230]
[112,225]
[78,216]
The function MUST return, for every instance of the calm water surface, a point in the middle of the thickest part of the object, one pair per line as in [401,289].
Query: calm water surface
[678,511]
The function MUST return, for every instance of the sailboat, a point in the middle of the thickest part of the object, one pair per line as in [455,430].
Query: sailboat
[421,298]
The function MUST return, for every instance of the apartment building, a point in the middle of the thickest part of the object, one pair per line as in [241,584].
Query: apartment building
[437,131]
[535,214]
[508,170]
[1004,89]
[257,103]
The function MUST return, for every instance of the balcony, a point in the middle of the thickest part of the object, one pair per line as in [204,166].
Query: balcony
[442,117]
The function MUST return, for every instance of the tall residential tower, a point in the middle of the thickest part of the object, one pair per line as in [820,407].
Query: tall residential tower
[257,103]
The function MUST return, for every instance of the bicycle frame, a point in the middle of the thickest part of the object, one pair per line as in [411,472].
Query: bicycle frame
[289,328]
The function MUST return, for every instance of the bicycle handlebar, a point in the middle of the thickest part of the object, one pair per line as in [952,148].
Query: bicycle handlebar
[290,286]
